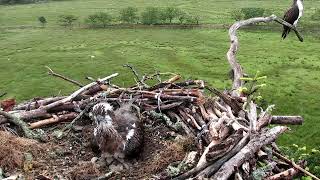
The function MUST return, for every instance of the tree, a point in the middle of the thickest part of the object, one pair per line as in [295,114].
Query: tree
[129,15]
[42,20]
[99,19]
[171,13]
[150,16]
[182,16]
[67,20]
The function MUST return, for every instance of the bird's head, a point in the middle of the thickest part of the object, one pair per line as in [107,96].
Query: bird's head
[102,113]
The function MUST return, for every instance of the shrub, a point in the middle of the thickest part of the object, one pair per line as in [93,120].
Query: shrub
[129,15]
[100,19]
[237,15]
[252,12]
[67,20]
[316,15]
[42,20]
[150,16]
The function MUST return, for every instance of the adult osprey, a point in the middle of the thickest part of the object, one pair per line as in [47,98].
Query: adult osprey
[292,16]
[118,133]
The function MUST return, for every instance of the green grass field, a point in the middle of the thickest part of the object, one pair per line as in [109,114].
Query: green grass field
[293,68]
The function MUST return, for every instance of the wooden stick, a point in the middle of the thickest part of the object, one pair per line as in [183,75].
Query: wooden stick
[33,105]
[278,155]
[294,120]
[216,164]
[26,115]
[52,73]
[246,153]
[53,120]
[287,174]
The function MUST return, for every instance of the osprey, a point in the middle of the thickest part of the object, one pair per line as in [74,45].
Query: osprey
[292,16]
[118,133]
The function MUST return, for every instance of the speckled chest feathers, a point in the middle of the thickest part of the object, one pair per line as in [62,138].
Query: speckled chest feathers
[117,131]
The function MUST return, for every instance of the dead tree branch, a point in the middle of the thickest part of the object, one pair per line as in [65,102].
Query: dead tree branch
[234,46]
[52,73]
[294,120]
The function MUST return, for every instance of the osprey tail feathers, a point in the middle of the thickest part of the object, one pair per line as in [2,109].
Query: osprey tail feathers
[285,32]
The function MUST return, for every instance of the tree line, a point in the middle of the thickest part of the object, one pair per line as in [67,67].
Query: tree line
[130,15]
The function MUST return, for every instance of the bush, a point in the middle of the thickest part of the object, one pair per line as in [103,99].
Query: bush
[252,12]
[150,16]
[316,15]
[129,15]
[237,15]
[67,20]
[100,19]
[42,20]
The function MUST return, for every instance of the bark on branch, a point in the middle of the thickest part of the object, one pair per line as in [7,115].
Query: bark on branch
[248,152]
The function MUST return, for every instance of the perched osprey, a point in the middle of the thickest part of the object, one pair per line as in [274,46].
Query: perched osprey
[118,133]
[292,16]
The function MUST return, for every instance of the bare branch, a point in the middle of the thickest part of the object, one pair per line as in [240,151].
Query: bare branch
[234,46]
[52,73]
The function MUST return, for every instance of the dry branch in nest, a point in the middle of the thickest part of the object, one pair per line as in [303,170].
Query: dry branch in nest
[229,129]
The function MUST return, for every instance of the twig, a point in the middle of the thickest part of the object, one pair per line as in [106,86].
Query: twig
[278,155]
[135,74]
[52,73]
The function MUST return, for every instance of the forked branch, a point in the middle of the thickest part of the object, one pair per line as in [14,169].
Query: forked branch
[231,54]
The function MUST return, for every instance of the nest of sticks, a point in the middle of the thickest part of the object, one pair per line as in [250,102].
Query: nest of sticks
[231,132]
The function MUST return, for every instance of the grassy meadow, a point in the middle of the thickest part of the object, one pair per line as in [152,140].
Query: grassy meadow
[293,68]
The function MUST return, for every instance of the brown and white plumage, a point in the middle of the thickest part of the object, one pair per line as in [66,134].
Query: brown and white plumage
[292,16]
[118,133]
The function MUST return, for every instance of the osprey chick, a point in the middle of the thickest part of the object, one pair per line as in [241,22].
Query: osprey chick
[292,16]
[118,133]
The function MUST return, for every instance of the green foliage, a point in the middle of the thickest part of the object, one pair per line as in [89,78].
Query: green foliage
[169,14]
[252,12]
[151,15]
[316,15]
[312,157]
[129,15]
[9,2]
[237,14]
[182,16]
[251,87]
[67,20]
[100,19]
[42,20]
